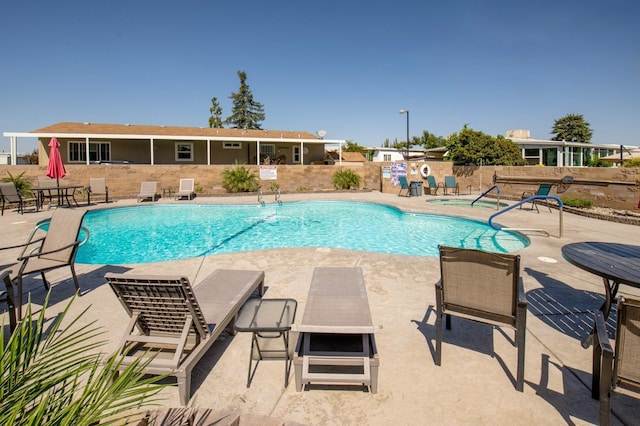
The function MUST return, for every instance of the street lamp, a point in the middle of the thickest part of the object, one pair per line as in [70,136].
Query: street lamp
[402,111]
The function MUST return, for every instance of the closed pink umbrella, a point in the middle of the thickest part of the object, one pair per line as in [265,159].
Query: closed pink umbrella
[55,168]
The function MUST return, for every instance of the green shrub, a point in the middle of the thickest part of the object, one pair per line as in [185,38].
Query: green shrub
[239,179]
[577,202]
[346,179]
[631,162]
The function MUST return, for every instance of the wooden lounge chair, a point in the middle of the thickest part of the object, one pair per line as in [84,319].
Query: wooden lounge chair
[10,195]
[484,287]
[178,323]
[148,190]
[336,343]
[55,249]
[543,189]
[450,183]
[619,366]
[432,186]
[186,189]
[97,186]
[404,186]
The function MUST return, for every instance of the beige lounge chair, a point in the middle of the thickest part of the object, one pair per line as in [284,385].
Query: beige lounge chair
[10,195]
[484,287]
[336,343]
[97,186]
[619,367]
[148,190]
[176,322]
[53,249]
[186,189]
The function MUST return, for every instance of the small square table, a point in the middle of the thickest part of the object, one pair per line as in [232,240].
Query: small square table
[267,319]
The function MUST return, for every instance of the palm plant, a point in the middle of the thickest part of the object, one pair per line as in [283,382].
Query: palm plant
[239,179]
[55,376]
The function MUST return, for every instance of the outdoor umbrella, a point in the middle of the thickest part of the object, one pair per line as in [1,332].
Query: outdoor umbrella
[55,168]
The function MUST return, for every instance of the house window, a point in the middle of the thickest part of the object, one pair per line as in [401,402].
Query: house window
[386,157]
[232,145]
[184,151]
[295,155]
[267,151]
[98,151]
[532,155]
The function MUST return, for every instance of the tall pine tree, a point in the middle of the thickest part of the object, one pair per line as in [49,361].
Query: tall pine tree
[572,128]
[215,120]
[245,113]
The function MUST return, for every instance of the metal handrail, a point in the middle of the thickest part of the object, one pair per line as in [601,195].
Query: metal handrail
[521,202]
[497,188]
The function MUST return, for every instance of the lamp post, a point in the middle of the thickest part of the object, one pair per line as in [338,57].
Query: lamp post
[402,111]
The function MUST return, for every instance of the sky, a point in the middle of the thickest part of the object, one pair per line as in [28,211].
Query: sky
[346,67]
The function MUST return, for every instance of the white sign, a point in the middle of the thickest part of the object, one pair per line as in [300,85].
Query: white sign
[268,173]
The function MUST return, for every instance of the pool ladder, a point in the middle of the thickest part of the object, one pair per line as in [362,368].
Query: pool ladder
[277,197]
[521,202]
[497,188]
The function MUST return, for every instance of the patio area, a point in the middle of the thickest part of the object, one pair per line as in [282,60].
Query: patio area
[474,385]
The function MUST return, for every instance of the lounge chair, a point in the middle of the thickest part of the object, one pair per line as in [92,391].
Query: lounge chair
[55,249]
[484,287]
[176,322]
[7,295]
[186,189]
[432,186]
[619,367]
[47,190]
[451,183]
[336,342]
[543,189]
[97,186]
[404,186]
[10,195]
[147,190]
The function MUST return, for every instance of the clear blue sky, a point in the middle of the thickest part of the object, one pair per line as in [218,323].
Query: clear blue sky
[343,67]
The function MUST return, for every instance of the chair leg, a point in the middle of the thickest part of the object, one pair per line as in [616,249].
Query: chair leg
[75,279]
[47,286]
[11,304]
[438,359]
[521,339]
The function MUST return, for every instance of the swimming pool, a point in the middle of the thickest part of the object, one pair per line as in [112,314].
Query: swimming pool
[157,233]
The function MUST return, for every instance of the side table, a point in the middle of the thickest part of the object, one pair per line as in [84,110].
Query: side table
[267,319]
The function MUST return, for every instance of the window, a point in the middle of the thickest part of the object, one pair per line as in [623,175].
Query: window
[184,151]
[295,154]
[386,157]
[532,155]
[232,145]
[98,151]
[267,151]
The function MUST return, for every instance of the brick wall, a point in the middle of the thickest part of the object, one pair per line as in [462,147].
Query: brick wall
[608,187]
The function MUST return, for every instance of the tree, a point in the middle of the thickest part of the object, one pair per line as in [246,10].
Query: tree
[352,146]
[572,128]
[471,146]
[245,113]
[215,120]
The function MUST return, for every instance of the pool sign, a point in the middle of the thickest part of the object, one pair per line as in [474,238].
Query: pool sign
[268,173]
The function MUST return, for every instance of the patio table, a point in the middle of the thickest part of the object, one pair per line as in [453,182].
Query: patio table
[615,263]
[64,193]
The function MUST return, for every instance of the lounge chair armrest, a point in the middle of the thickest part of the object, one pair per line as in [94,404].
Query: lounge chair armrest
[43,253]
[20,245]
[601,333]
[522,296]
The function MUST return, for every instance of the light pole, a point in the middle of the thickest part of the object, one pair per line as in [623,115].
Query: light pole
[402,111]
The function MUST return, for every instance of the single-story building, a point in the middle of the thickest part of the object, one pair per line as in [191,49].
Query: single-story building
[343,158]
[96,143]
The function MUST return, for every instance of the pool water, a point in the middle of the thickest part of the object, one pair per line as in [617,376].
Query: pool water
[157,233]
[467,203]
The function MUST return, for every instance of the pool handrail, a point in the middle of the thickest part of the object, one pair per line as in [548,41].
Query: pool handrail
[519,203]
[497,188]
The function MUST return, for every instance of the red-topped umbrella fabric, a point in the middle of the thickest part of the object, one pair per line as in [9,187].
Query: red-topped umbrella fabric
[55,168]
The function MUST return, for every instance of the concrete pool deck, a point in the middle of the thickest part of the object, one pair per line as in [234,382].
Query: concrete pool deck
[474,385]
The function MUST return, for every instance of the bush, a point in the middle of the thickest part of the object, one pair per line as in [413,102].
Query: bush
[239,179]
[631,162]
[346,179]
[577,202]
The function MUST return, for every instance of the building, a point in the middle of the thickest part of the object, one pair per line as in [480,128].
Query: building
[91,143]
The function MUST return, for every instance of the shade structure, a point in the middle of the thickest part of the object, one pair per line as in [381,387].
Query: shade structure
[55,168]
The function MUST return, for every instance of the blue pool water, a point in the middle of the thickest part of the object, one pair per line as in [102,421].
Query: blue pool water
[156,233]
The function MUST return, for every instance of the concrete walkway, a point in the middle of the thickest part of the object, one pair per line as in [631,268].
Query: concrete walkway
[476,382]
